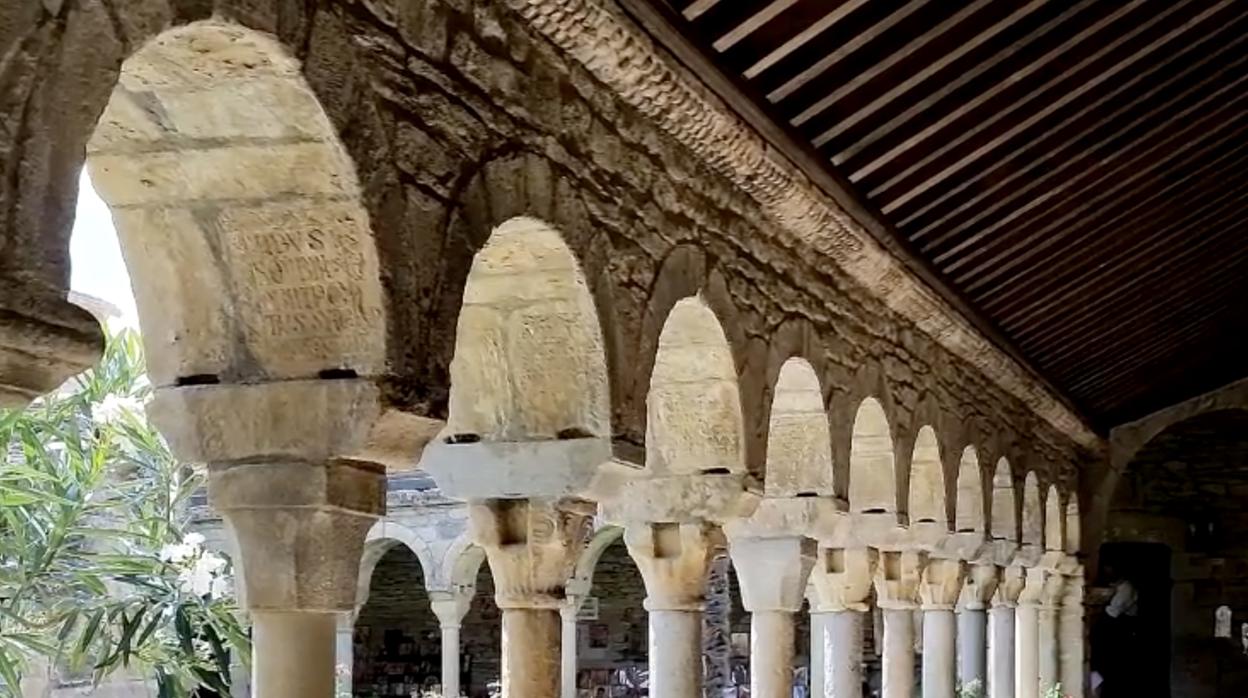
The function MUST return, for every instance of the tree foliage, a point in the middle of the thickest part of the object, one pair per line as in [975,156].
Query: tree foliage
[97,569]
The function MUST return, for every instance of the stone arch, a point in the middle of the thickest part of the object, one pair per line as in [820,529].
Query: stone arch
[927,482]
[1004,504]
[239,214]
[461,562]
[1074,532]
[1054,521]
[583,573]
[872,463]
[694,421]
[383,537]
[969,513]
[1033,511]
[799,445]
[529,359]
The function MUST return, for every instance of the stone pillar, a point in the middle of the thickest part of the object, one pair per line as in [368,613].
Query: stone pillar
[1071,638]
[532,546]
[841,583]
[567,672]
[939,591]
[773,573]
[1027,635]
[674,560]
[897,579]
[977,592]
[450,607]
[1050,604]
[1001,633]
[344,654]
[818,635]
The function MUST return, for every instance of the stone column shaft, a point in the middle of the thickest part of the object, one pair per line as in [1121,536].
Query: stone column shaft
[843,654]
[972,646]
[939,642]
[1027,651]
[1071,637]
[898,653]
[1046,663]
[818,635]
[568,655]
[294,654]
[1001,652]
[771,654]
[450,661]
[675,654]
[532,638]
[344,654]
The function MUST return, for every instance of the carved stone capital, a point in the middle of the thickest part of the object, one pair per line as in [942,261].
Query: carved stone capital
[941,584]
[532,546]
[1009,587]
[674,559]
[1036,582]
[773,572]
[450,606]
[842,578]
[979,587]
[300,530]
[44,341]
[897,578]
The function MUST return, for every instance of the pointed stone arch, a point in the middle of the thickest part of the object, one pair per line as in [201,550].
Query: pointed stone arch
[1033,511]
[927,482]
[239,214]
[694,422]
[1054,521]
[799,451]
[529,361]
[969,512]
[1004,504]
[872,462]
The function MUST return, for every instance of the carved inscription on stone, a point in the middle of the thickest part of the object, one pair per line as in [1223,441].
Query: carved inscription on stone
[307,278]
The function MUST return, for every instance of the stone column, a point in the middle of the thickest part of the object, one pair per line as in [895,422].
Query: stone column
[567,672]
[977,592]
[941,585]
[1050,604]
[673,559]
[344,654]
[1027,635]
[532,546]
[1070,634]
[841,585]
[773,573]
[285,471]
[1001,633]
[897,579]
[818,635]
[450,607]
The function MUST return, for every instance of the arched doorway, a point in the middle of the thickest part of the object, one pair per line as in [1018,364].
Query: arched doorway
[397,642]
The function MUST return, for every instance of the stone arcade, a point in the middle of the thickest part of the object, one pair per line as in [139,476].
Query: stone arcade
[515,246]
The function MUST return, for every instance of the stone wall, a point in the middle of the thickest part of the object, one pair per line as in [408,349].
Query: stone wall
[458,117]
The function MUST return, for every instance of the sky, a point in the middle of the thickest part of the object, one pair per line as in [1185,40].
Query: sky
[97,266]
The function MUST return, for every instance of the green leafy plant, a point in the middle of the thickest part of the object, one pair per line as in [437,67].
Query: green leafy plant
[97,569]
[971,689]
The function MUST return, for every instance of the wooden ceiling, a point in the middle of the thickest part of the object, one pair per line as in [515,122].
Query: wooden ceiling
[1073,173]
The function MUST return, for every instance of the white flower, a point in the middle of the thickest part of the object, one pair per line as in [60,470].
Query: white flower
[177,553]
[194,539]
[222,587]
[114,407]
